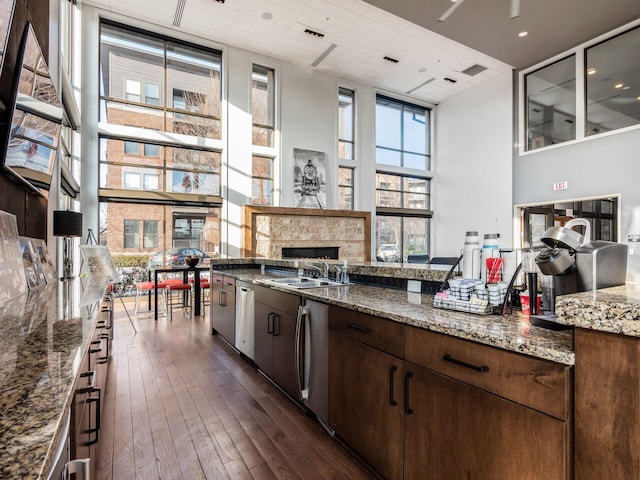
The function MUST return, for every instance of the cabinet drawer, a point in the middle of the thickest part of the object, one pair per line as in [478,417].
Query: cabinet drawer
[539,384]
[285,302]
[377,332]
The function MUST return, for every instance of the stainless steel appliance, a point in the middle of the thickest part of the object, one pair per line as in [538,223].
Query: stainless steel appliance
[575,263]
[312,358]
[244,340]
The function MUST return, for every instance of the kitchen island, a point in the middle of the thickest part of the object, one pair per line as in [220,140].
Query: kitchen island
[607,380]
[435,380]
[45,336]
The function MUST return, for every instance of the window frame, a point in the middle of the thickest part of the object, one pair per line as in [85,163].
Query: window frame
[581,73]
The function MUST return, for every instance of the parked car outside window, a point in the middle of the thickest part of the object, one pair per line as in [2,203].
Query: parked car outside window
[175,257]
[388,252]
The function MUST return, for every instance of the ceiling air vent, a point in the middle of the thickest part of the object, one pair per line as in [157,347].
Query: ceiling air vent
[313,33]
[450,80]
[391,60]
[474,70]
[177,18]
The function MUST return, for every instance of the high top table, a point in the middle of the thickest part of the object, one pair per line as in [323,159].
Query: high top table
[185,277]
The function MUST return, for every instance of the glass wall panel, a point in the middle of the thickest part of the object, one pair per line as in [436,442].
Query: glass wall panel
[612,87]
[551,104]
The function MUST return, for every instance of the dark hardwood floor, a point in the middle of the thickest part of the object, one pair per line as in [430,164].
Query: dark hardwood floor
[179,403]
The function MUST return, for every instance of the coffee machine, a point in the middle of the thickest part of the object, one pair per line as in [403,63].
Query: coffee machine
[574,263]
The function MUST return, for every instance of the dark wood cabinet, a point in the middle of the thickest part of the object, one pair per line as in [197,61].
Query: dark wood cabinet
[416,404]
[456,430]
[275,316]
[365,402]
[88,402]
[607,405]
[223,307]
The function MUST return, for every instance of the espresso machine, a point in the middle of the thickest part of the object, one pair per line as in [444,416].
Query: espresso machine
[573,263]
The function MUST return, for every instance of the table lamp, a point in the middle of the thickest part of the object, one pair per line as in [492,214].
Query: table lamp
[67,224]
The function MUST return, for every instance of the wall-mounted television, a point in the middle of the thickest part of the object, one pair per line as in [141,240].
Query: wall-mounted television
[36,118]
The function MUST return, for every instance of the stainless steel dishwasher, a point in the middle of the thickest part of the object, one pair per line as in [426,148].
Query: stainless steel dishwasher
[244,318]
[312,358]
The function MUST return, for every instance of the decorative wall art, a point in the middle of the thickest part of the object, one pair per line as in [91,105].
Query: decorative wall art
[99,271]
[41,251]
[310,184]
[33,271]
[12,278]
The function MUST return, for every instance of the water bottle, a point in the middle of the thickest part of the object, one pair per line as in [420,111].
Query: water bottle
[490,249]
[471,256]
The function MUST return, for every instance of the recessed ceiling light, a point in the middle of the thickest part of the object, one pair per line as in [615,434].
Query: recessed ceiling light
[267,16]
[591,71]
[422,70]
[619,85]
[220,1]
[523,34]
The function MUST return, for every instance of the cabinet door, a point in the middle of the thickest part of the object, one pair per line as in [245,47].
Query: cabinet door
[607,405]
[229,311]
[284,355]
[459,431]
[263,337]
[216,307]
[365,403]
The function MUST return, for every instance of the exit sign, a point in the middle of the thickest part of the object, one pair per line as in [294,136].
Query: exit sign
[560,185]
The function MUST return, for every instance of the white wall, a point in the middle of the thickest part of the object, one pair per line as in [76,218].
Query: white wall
[597,167]
[473,166]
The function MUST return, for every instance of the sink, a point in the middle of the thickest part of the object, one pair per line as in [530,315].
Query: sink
[303,282]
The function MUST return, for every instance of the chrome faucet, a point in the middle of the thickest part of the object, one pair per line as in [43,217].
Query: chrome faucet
[323,271]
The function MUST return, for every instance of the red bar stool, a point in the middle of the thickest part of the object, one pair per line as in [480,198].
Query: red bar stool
[181,288]
[141,289]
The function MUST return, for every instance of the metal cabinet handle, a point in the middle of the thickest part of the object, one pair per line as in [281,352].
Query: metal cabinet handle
[222,298]
[276,324]
[95,429]
[407,409]
[270,323]
[392,401]
[89,388]
[360,328]
[481,368]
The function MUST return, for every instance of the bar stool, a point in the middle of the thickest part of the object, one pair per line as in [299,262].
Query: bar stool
[181,288]
[141,289]
[205,288]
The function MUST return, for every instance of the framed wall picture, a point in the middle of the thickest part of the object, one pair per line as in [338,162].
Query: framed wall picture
[12,278]
[33,271]
[310,179]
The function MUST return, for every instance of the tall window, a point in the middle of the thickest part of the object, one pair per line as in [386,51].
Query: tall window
[154,87]
[345,123]
[345,188]
[402,134]
[551,104]
[262,105]
[403,206]
[262,180]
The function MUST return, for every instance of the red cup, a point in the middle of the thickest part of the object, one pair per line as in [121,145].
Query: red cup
[524,304]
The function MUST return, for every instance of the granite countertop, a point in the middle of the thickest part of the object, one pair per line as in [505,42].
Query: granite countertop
[511,332]
[43,337]
[613,310]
